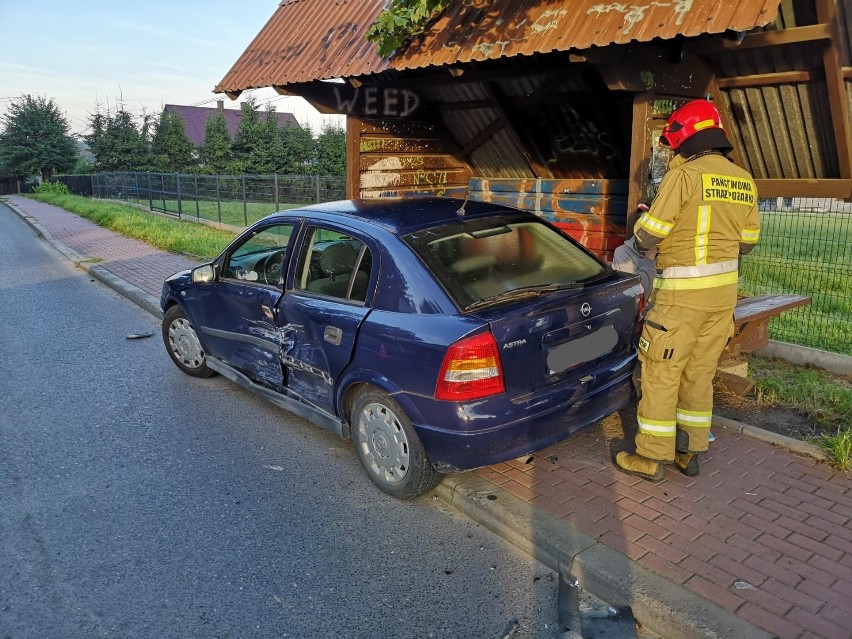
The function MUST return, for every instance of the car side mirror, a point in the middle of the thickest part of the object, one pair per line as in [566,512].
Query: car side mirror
[203,274]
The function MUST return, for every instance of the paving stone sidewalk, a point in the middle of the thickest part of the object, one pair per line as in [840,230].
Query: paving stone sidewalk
[759,545]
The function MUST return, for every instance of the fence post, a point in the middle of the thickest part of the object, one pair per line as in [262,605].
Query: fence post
[245,203]
[163,191]
[179,198]
[124,185]
[136,181]
[275,176]
[218,200]
[197,208]
[150,195]
[318,189]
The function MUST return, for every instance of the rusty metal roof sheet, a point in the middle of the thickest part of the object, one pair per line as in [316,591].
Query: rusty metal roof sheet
[308,40]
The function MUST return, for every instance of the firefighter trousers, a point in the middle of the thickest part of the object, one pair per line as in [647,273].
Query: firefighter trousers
[679,351]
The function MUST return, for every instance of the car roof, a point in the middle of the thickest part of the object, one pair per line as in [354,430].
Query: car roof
[404,215]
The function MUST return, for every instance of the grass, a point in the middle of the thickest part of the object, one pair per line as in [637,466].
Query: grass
[839,448]
[175,236]
[825,399]
[810,254]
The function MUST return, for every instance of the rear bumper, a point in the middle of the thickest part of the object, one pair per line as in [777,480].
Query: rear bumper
[488,433]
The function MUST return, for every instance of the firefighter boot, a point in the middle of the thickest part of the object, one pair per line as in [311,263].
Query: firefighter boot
[682,441]
[639,466]
[687,463]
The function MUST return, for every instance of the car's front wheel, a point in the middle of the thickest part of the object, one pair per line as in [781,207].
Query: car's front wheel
[389,448]
[182,344]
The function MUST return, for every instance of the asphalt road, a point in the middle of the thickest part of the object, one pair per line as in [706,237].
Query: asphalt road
[136,501]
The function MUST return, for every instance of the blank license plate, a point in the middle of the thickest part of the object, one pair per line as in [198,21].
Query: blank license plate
[582,349]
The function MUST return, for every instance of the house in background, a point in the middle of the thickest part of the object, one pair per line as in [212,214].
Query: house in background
[195,119]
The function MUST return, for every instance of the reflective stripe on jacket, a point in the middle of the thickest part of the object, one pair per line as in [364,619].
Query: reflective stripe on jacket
[705,208]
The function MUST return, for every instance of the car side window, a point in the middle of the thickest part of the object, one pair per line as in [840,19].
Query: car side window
[333,264]
[260,256]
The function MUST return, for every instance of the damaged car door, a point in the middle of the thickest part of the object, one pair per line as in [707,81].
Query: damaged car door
[327,298]
[236,313]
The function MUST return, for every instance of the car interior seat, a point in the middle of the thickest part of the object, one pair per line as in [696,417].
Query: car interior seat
[336,263]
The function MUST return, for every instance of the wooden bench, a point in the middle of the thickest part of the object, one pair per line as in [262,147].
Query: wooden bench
[751,318]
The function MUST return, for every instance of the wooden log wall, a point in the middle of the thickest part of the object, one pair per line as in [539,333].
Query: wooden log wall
[394,157]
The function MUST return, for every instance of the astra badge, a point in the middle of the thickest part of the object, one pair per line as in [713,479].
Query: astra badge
[586,309]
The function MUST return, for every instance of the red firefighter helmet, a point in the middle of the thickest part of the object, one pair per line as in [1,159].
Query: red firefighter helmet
[688,120]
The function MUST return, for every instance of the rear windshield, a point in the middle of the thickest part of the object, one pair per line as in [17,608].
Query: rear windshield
[497,260]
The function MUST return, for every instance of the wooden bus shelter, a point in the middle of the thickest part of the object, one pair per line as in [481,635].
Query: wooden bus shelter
[555,105]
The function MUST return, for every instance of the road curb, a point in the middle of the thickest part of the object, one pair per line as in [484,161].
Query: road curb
[662,606]
[794,445]
[90,266]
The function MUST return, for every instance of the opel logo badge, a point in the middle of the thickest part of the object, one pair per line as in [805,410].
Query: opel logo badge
[586,309]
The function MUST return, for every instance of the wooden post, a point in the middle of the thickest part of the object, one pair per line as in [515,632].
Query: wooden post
[640,153]
[353,154]
[835,87]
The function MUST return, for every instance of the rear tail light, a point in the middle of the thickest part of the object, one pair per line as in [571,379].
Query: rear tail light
[471,370]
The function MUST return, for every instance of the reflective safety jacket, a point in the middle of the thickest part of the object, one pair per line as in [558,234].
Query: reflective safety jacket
[705,215]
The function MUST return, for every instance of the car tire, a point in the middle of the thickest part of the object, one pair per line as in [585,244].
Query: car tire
[388,447]
[183,344]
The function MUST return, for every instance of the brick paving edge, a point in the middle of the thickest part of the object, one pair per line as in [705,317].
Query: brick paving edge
[658,604]
[791,444]
[133,293]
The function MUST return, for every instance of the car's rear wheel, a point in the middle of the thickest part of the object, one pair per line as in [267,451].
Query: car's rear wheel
[183,345]
[389,448]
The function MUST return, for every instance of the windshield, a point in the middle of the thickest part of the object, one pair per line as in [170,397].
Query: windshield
[500,260]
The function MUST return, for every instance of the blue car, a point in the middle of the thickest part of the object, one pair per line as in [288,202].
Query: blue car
[438,335]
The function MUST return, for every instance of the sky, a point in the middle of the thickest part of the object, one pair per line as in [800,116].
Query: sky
[93,53]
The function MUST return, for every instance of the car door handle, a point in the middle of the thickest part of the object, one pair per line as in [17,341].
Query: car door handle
[332,335]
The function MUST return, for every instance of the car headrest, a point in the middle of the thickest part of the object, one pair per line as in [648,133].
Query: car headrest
[338,258]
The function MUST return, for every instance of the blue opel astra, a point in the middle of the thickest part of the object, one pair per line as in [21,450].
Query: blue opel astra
[438,335]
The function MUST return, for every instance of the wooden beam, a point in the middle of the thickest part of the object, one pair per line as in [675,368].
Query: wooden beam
[640,154]
[839,189]
[763,39]
[837,102]
[464,106]
[764,79]
[353,156]
[483,136]
[715,90]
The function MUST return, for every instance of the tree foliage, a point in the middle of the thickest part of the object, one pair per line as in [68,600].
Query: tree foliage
[331,151]
[248,139]
[118,143]
[171,149]
[298,150]
[215,153]
[401,21]
[35,139]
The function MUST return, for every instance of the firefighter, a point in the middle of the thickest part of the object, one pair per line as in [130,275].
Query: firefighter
[704,217]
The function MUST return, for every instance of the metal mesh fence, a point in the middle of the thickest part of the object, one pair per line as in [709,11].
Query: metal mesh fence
[238,200]
[805,248]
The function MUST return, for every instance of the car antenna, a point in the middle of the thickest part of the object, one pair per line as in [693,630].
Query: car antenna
[460,212]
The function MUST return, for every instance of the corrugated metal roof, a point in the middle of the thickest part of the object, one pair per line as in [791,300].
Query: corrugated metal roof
[308,40]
